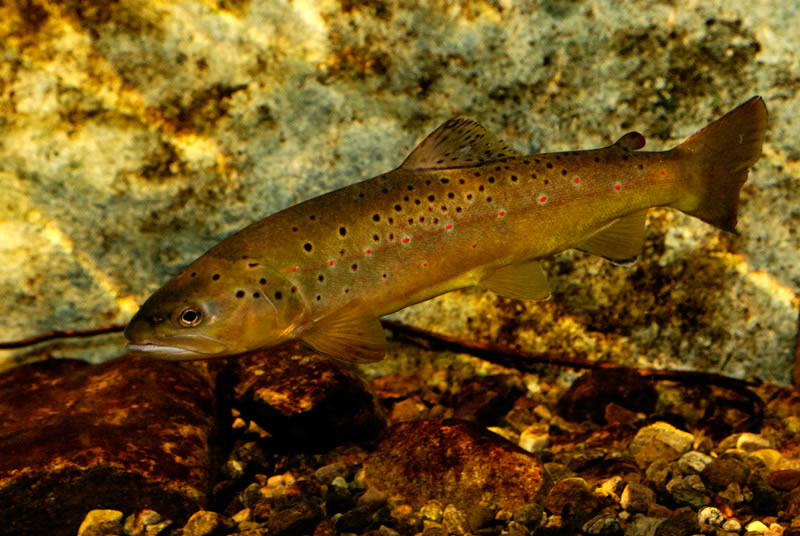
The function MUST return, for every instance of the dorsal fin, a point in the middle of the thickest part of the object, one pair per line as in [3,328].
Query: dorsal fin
[459,142]
[632,141]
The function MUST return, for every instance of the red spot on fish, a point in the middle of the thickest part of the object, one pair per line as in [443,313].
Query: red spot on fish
[346,290]
[501,213]
[474,245]
[542,199]
[448,226]
[367,251]
[405,240]
[330,263]
[294,268]
[424,264]
[661,172]
[617,186]
[576,180]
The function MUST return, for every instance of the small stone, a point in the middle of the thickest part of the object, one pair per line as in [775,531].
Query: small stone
[683,522]
[535,438]
[750,442]
[710,516]
[480,515]
[605,524]
[732,525]
[756,526]
[354,520]
[588,396]
[431,511]
[725,470]
[205,523]
[299,518]
[573,500]
[770,458]
[785,480]
[327,473]
[688,490]
[659,441]
[101,523]
[136,524]
[431,528]
[637,497]
[530,514]
[409,409]
[372,498]
[694,462]
[241,516]
[643,526]
[616,414]
[515,528]
[791,503]
[383,530]
[454,520]
[733,494]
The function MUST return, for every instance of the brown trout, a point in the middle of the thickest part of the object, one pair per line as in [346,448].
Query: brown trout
[463,209]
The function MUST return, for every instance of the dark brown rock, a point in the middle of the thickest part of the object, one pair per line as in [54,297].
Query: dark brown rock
[485,399]
[724,471]
[683,522]
[454,462]
[589,395]
[785,479]
[791,503]
[127,435]
[303,400]
[572,500]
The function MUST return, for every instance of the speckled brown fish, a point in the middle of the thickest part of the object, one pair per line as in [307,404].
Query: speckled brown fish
[463,209]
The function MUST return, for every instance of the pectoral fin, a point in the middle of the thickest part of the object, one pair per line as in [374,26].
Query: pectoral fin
[526,281]
[349,336]
[620,241]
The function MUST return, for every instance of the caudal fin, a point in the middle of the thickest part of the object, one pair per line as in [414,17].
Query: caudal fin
[719,157]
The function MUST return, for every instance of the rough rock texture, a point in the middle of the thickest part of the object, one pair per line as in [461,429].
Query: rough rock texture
[427,459]
[135,135]
[127,434]
[303,400]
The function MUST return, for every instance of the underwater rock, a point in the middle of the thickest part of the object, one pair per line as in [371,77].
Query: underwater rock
[447,461]
[659,441]
[128,434]
[302,399]
[592,392]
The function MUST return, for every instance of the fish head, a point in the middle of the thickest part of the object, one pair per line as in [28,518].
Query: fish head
[215,307]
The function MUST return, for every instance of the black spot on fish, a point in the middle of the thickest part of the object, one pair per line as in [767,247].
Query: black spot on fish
[376,217]
[410,187]
[263,281]
[451,195]
[319,297]
[252,264]
[215,277]
[312,217]
[491,180]
[398,208]
[295,229]
[307,246]
[240,294]
[563,171]
[376,238]
[596,158]
[480,188]
[256,295]
[431,198]
[278,295]
[193,274]
[444,181]
[342,231]
[514,178]
[321,278]
[549,165]
[354,267]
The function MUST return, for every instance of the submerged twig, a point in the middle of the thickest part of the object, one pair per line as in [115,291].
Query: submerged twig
[527,361]
[61,334]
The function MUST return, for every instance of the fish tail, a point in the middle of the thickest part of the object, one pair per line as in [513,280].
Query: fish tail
[719,157]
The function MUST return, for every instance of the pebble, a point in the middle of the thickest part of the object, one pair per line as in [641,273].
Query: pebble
[605,524]
[137,524]
[643,526]
[327,473]
[725,470]
[431,511]
[454,520]
[683,522]
[694,462]
[431,528]
[785,480]
[659,441]
[637,498]
[535,438]
[515,528]
[710,516]
[205,523]
[688,490]
[756,526]
[101,523]
[750,442]
[732,525]
[573,499]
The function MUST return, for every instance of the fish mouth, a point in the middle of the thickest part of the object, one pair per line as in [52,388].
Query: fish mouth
[186,348]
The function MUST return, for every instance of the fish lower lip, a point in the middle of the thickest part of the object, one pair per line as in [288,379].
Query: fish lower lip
[165,351]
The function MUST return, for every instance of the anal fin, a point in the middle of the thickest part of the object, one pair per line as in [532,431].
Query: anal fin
[525,281]
[620,241]
[349,336]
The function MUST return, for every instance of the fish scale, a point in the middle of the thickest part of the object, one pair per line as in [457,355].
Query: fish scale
[463,209]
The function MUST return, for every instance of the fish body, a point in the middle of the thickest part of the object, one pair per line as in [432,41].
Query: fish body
[463,209]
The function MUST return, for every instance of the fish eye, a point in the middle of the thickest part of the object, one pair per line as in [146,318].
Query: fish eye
[190,317]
